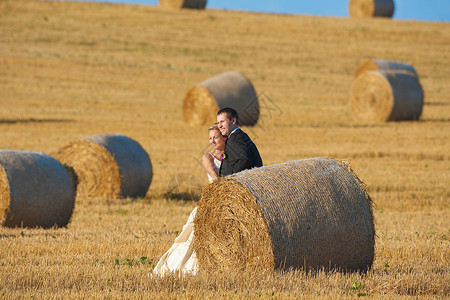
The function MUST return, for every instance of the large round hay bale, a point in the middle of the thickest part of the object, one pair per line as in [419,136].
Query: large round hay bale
[35,190]
[194,4]
[108,166]
[371,8]
[384,65]
[229,89]
[380,96]
[310,213]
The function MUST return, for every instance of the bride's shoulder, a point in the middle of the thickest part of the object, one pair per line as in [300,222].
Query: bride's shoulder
[208,156]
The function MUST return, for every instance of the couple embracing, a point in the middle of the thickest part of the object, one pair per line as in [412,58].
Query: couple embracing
[233,151]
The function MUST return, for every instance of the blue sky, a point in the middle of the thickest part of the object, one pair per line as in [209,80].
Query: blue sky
[423,10]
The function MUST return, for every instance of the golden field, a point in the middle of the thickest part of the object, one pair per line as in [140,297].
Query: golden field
[69,70]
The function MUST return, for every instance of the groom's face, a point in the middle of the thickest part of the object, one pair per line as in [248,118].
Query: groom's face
[226,125]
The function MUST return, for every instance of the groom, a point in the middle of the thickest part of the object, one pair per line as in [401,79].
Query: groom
[240,152]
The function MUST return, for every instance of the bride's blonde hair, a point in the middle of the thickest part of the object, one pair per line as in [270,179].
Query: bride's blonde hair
[216,127]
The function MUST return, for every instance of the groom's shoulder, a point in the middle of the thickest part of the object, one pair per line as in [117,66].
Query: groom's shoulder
[242,136]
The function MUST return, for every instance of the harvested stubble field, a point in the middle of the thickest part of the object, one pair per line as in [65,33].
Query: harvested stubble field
[70,70]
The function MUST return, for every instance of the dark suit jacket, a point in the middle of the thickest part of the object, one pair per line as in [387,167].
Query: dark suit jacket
[240,154]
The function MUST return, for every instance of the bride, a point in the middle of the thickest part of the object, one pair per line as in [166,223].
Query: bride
[181,256]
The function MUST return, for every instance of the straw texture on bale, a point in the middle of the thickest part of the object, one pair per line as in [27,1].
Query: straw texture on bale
[384,65]
[380,96]
[35,190]
[229,89]
[108,166]
[310,213]
[194,4]
[371,8]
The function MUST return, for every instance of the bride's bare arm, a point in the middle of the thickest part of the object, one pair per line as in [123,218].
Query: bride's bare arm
[208,165]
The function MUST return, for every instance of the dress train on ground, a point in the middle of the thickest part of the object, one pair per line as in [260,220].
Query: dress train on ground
[181,256]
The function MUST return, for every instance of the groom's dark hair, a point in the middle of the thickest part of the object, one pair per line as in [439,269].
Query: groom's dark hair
[231,113]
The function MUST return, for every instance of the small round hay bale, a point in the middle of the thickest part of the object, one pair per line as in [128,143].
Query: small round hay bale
[35,190]
[229,89]
[380,96]
[108,166]
[371,8]
[309,213]
[384,65]
[194,4]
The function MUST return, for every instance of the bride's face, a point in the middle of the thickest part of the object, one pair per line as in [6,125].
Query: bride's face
[216,140]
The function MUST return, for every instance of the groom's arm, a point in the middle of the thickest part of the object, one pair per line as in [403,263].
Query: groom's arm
[241,154]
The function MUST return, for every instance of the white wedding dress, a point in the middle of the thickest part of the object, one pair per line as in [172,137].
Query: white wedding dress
[181,256]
